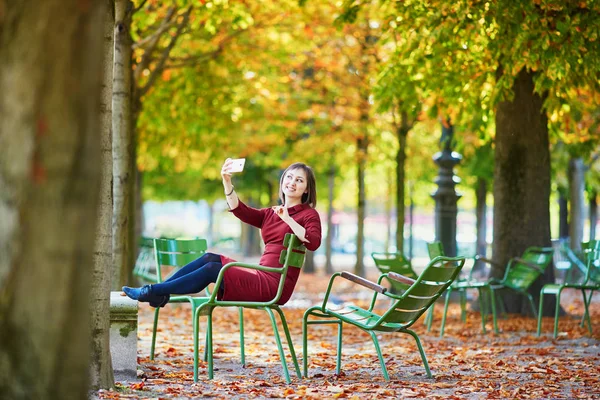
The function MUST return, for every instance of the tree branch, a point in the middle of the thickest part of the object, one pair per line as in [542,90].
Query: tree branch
[140,6]
[165,54]
[147,56]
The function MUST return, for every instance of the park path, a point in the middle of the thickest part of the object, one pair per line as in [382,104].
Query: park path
[465,363]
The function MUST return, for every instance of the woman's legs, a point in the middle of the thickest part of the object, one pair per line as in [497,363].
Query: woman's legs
[191,278]
[194,265]
[195,280]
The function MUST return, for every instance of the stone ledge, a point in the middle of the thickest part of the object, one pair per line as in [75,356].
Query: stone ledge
[123,335]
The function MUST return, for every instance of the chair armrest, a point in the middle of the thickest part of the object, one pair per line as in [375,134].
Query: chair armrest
[401,278]
[363,282]
[221,275]
[487,260]
[528,264]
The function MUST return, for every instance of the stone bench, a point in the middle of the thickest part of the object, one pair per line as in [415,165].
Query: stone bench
[123,335]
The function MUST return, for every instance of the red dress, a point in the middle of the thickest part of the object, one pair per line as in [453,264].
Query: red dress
[242,284]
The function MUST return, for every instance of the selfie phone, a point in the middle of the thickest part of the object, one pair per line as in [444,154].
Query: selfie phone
[237,165]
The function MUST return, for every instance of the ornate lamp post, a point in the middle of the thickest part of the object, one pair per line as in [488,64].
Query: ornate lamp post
[446,197]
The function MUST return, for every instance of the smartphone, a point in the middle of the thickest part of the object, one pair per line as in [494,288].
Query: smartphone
[237,165]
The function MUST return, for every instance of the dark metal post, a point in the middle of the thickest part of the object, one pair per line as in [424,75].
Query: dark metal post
[446,197]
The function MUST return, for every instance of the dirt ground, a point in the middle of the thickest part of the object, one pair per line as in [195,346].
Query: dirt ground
[465,363]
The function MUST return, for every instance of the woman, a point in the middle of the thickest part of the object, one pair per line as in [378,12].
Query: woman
[297,215]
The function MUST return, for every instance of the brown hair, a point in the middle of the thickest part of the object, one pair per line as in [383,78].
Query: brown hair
[310,197]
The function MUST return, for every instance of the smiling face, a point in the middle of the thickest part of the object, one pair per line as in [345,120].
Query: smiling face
[294,185]
[298,186]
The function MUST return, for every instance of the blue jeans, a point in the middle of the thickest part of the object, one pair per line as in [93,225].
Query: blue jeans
[192,278]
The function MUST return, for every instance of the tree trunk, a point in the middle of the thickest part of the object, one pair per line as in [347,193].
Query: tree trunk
[563,215]
[210,234]
[50,70]
[123,178]
[330,226]
[309,262]
[388,210]
[521,183]
[359,268]
[593,214]
[250,237]
[481,216]
[101,372]
[577,202]
[401,133]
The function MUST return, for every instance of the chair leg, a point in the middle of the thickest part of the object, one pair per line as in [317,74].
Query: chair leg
[279,347]
[494,313]
[152,346]
[429,318]
[242,347]
[423,357]
[448,292]
[305,343]
[532,303]
[586,316]
[289,340]
[482,309]
[209,344]
[205,356]
[540,313]
[195,335]
[381,361]
[556,312]
[338,364]
[463,305]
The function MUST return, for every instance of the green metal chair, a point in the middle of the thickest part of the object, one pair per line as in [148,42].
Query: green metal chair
[176,253]
[292,256]
[435,249]
[519,275]
[591,282]
[399,317]
[394,262]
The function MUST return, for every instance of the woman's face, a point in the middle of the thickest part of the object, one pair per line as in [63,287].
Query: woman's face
[294,184]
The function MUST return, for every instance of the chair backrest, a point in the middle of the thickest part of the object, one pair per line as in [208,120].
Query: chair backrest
[519,276]
[435,249]
[592,252]
[394,262]
[177,253]
[145,266]
[294,253]
[432,282]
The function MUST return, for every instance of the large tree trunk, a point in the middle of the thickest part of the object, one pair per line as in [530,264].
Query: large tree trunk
[593,214]
[481,216]
[309,262]
[101,372]
[577,202]
[563,214]
[123,147]
[359,268]
[330,226]
[388,209]
[521,183]
[50,70]
[401,133]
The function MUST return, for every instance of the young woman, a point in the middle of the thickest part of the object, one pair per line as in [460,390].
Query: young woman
[297,215]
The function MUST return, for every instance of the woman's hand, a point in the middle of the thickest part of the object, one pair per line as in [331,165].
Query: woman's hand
[225,172]
[282,212]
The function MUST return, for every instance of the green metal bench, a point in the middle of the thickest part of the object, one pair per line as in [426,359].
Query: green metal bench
[403,312]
